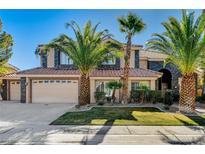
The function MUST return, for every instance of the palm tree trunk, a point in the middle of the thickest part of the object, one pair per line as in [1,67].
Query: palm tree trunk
[84,97]
[113,95]
[187,94]
[126,71]
[203,88]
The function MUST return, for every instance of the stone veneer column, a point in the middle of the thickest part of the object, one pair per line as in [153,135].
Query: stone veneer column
[56,58]
[137,59]
[23,89]
[4,89]
[44,60]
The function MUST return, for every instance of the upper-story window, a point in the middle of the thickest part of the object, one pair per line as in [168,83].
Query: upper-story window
[64,59]
[110,61]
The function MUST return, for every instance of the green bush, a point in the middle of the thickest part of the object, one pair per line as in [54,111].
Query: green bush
[135,95]
[151,96]
[140,94]
[200,99]
[155,96]
[175,95]
[168,98]
[100,97]
[159,98]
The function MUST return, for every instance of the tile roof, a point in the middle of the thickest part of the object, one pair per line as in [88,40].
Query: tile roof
[96,73]
[48,71]
[10,75]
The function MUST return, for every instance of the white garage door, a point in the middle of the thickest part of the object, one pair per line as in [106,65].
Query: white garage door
[54,91]
[15,90]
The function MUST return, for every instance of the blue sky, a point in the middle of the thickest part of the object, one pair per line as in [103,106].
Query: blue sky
[32,27]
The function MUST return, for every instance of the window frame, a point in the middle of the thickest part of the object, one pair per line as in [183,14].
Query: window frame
[65,59]
[112,60]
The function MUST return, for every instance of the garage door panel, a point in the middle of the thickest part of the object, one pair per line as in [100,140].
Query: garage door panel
[15,90]
[54,91]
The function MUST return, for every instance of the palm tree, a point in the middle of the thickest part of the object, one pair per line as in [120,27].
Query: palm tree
[6,43]
[88,50]
[130,25]
[203,87]
[184,43]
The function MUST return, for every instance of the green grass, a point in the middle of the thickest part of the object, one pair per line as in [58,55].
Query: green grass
[142,116]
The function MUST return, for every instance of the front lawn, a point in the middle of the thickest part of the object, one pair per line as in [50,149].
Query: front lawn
[145,116]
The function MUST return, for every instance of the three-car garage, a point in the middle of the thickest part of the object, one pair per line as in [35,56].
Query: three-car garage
[46,90]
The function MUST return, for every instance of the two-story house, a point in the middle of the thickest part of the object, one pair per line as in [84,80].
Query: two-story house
[57,80]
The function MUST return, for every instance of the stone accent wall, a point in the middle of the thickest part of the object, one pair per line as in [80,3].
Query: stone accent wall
[116,66]
[4,89]
[155,65]
[56,58]
[175,75]
[44,60]
[158,65]
[23,89]
[137,59]
[57,62]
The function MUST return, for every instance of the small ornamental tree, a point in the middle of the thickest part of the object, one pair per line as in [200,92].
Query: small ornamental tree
[113,85]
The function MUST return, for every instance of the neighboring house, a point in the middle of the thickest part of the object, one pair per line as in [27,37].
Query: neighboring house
[10,69]
[56,81]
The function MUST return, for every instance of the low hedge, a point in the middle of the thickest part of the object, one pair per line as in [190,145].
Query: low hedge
[201,99]
[153,96]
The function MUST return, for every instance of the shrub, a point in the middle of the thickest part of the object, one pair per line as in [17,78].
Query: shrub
[201,99]
[135,95]
[168,98]
[156,96]
[100,96]
[175,95]
[141,95]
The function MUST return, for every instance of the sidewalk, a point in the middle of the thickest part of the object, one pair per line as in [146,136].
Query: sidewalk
[146,135]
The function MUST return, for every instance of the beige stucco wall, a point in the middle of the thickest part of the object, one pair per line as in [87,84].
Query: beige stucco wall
[132,59]
[149,82]
[50,58]
[143,63]
[93,86]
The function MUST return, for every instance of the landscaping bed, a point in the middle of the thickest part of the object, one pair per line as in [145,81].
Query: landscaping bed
[142,116]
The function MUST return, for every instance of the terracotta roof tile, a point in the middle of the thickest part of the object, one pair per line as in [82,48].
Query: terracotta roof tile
[96,73]
[10,75]
[48,71]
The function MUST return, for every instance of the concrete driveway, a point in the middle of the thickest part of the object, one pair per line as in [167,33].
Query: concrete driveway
[13,114]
